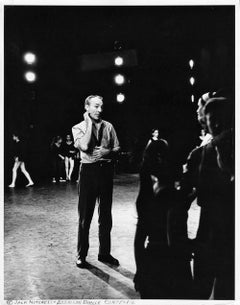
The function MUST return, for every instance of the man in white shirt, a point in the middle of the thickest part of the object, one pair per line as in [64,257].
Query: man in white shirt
[98,144]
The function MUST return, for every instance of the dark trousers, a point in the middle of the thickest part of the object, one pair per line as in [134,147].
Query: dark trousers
[57,168]
[95,184]
[214,261]
[165,276]
[208,270]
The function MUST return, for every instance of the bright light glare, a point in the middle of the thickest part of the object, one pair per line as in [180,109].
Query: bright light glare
[30,76]
[30,58]
[192,81]
[119,79]
[118,61]
[192,98]
[191,63]
[120,97]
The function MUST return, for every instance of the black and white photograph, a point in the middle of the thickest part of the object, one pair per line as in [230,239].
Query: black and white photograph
[119,152]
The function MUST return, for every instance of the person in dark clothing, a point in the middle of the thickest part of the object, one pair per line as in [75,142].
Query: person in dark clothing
[69,152]
[98,144]
[57,158]
[210,171]
[19,155]
[160,273]
[155,137]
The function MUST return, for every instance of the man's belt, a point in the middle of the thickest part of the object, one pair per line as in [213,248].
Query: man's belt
[99,162]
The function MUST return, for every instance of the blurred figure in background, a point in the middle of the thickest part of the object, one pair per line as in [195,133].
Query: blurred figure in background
[210,172]
[160,273]
[155,136]
[19,155]
[69,152]
[57,158]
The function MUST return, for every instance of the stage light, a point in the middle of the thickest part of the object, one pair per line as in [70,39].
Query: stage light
[192,98]
[118,61]
[120,97]
[192,81]
[30,76]
[29,58]
[119,79]
[191,63]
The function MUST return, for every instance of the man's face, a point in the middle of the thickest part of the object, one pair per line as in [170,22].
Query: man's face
[95,108]
[215,123]
[200,113]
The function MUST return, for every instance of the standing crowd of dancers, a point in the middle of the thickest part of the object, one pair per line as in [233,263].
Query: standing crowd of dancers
[64,159]
[163,250]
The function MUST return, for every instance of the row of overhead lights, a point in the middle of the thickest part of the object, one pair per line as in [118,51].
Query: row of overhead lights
[30,59]
[119,78]
[30,76]
[192,79]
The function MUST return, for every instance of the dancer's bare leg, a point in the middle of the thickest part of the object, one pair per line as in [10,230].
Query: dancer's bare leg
[14,173]
[24,171]
[67,168]
[71,161]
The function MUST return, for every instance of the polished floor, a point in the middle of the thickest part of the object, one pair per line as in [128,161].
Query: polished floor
[40,229]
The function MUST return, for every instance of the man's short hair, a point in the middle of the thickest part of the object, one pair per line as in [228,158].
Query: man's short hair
[217,104]
[222,107]
[87,100]
[205,97]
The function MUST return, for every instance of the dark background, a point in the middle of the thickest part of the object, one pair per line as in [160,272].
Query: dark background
[157,90]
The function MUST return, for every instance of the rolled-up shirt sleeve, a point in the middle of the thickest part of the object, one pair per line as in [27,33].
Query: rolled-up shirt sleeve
[78,133]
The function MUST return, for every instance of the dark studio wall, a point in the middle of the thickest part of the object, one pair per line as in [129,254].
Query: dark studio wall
[157,89]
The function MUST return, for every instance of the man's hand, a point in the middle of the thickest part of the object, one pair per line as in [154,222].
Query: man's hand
[100,152]
[87,118]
